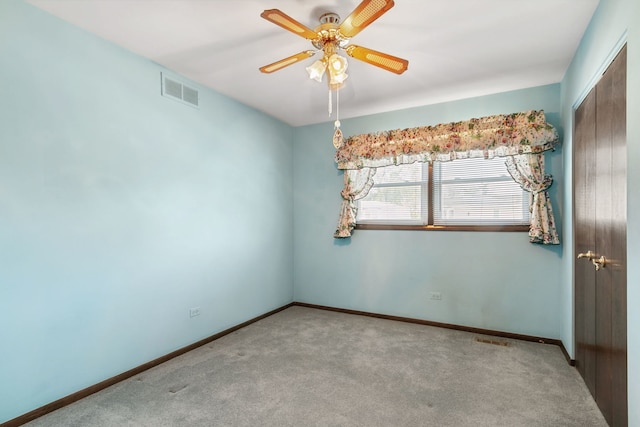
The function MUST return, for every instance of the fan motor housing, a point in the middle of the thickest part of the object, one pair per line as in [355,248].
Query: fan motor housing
[329,31]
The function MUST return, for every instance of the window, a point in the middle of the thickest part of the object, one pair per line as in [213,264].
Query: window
[473,193]
[399,196]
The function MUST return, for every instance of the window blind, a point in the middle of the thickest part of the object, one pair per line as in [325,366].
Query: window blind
[478,192]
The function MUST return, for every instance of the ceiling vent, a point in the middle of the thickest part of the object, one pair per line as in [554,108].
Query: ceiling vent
[174,89]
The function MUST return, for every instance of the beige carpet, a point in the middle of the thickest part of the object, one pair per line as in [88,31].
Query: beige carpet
[308,367]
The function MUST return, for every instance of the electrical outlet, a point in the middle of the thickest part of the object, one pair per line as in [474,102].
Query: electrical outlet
[436,296]
[195,311]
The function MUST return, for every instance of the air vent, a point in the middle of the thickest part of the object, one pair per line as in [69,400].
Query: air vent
[494,342]
[174,89]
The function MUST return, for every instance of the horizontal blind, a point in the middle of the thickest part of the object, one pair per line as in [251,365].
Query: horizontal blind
[478,192]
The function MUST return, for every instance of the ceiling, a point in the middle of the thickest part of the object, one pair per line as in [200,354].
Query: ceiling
[456,48]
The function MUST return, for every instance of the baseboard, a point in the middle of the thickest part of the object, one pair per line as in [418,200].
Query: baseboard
[74,397]
[489,332]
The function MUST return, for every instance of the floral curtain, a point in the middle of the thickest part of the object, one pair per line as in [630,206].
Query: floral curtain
[488,137]
[528,171]
[521,137]
[357,183]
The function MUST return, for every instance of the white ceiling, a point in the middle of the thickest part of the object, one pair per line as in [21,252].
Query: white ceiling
[456,48]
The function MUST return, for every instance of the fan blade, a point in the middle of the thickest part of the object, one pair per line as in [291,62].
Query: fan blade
[379,59]
[287,61]
[288,23]
[367,12]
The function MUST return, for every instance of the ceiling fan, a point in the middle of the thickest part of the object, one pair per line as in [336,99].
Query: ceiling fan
[331,37]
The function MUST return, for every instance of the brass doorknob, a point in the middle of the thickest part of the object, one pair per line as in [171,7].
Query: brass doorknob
[590,255]
[599,263]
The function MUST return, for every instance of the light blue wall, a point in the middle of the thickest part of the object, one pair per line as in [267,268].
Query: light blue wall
[491,280]
[121,209]
[613,22]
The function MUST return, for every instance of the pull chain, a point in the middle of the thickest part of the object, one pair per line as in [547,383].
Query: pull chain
[337,108]
[337,134]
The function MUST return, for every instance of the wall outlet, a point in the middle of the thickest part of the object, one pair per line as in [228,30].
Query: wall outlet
[195,311]
[436,296]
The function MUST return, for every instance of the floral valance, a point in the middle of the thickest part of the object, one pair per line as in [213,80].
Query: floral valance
[493,136]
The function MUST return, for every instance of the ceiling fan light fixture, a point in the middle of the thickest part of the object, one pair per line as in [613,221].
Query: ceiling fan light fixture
[336,80]
[330,37]
[338,64]
[316,70]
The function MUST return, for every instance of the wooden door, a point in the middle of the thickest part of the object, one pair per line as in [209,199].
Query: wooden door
[618,230]
[584,238]
[600,231]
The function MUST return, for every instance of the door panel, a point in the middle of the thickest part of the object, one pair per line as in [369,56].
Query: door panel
[618,266]
[584,223]
[604,125]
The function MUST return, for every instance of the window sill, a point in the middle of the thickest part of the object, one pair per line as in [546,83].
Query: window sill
[507,228]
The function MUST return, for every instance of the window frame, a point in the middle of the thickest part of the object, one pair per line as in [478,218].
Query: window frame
[430,226]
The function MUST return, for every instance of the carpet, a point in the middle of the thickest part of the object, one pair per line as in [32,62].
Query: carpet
[310,367]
